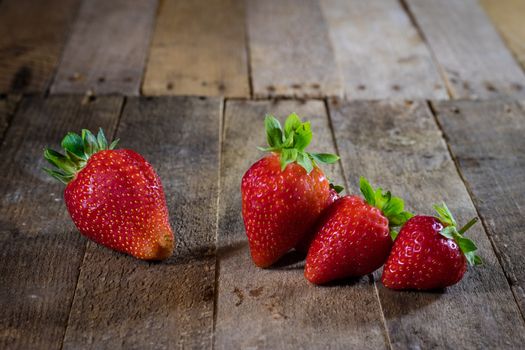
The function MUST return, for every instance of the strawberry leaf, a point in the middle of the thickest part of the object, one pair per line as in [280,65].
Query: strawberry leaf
[292,123]
[73,142]
[274,132]
[445,216]
[77,149]
[367,191]
[291,143]
[304,161]
[288,156]
[392,207]
[325,158]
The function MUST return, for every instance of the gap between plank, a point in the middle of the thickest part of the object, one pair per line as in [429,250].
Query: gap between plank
[472,196]
[438,66]
[62,50]
[217,260]
[119,116]
[371,275]
[248,53]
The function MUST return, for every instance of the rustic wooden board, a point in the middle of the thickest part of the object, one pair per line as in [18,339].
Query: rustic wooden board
[8,106]
[121,302]
[277,308]
[31,40]
[198,49]
[508,17]
[107,49]
[486,139]
[290,50]
[398,145]
[380,52]
[40,250]
[471,54]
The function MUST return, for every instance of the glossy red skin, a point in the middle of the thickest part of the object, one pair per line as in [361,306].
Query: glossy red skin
[279,207]
[422,258]
[353,240]
[117,200]
[305,242]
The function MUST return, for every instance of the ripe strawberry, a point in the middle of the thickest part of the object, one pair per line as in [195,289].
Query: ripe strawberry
[353,238]
[113,196]
[430,253]
[304,243]
[283,193]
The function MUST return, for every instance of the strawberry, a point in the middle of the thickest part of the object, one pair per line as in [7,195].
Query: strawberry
[430,253]
[353,239]
[303,245]
[284,193]
[113,196]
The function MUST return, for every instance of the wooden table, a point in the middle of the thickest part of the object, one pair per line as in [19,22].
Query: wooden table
[422,97]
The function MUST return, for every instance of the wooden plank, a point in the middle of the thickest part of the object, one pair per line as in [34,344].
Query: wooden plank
[107,49]
[486,139]
[277,308]
[290,50]
[122,302]
[40,250]
[198,49]
[31,40]
[380,52]
[8,106]
[508,17]
[472,56]
[399,146]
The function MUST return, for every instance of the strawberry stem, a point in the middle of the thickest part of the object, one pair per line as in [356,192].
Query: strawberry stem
[467,226]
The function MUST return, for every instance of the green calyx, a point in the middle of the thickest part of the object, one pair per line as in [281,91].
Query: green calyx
[291,143]
[450,231]
[78,149]
[392,207]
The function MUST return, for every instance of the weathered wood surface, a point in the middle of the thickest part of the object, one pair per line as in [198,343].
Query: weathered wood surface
[380,52]
[509,18]
[8,106]
[277,308]
[199,48]
[290,50]
[399,146]
[486,139]
[40,250]
[106,51]
[32,37]
[121,302]
[472,56]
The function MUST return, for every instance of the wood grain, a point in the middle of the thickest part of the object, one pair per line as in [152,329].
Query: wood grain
[40,250]
[33,35]
[198,49]
[508,17]
[107,49]
[8,105]
[380,53]
[290,50]
[397,145]
[472,56]
[122,302]
[277,308]
[486,139]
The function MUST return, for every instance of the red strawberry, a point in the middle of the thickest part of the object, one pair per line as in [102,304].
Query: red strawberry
[353,238]
[284,193]
[430,253]
[304,243]
[113,196]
